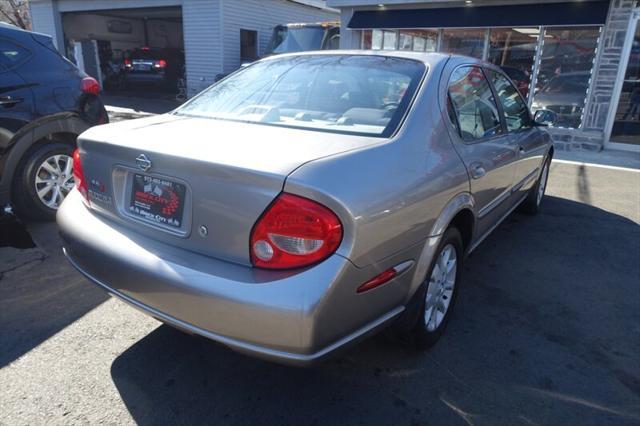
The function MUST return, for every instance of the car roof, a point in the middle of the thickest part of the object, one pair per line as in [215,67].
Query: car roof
[427,58]
[9,27]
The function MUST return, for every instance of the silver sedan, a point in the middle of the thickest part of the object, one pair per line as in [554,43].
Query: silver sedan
[307,200]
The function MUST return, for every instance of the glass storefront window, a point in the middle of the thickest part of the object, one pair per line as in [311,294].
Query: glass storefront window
[379,39]
[564,72]
[514,50]
[419,40]
[626,127]
[468,42]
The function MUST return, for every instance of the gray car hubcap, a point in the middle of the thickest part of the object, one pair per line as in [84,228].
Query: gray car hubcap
[54,180]
[440,289]
[543,183]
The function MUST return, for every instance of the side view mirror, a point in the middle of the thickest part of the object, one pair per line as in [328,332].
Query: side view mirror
[545,117]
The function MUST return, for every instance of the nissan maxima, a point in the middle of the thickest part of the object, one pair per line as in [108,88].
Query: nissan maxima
[308,200]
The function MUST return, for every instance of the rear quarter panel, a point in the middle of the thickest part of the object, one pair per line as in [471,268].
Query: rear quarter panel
[389,196]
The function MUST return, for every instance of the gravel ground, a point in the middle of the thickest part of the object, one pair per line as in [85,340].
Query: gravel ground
[546,331]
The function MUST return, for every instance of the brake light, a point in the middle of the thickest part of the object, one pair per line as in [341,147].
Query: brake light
[90,85]
[127,63]
[78,175]
[160,63]
[294,232]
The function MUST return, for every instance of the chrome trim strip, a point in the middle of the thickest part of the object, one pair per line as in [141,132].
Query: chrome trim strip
[526,180]
[238,344]
[495,203]
[486,234]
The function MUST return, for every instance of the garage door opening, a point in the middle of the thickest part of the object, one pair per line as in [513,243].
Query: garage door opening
[131,52]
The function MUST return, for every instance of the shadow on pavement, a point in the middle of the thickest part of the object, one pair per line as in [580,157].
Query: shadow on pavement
[40,294]
[545,331]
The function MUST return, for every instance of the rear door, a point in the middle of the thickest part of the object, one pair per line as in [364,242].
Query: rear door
[524,135]
[16,98]
[482,142]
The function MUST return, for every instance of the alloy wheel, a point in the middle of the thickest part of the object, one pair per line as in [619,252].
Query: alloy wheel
[54,180]
[440,287]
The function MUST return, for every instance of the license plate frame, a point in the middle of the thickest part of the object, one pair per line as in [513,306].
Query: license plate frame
[157,200]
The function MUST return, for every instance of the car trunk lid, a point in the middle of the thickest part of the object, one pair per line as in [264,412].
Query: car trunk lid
[220,176]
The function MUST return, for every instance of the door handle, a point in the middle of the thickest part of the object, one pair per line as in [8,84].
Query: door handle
[477,171]
[9,101]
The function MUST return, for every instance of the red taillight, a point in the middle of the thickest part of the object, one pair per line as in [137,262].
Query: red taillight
[78,175]
[294,232]
[90,85]
[127,63]
[161,63]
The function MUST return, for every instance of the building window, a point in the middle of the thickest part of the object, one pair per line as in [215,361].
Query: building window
[380,39]
[514,50]
[564,72]
[562,76]
[468,42]
[419,40]
[248,45]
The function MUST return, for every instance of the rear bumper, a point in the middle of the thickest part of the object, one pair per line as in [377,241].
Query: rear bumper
[291,317]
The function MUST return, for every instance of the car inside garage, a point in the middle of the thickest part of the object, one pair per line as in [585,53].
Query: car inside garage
[131,52]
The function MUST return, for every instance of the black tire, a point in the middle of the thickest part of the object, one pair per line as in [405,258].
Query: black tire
[531,204]
[25,201]
[418,334]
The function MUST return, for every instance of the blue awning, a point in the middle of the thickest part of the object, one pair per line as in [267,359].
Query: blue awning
[566,13]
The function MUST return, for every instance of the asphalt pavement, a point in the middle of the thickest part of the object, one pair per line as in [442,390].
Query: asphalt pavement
[546,331]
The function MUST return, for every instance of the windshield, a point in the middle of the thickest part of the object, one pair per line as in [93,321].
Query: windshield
[356,94]
[296,39]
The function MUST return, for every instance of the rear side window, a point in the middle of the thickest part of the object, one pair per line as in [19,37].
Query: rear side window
[474,104]
[515,110]
[11,54]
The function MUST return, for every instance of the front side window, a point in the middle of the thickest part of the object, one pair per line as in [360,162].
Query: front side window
[12,55]
[474,104]
[353,94]
[515,110]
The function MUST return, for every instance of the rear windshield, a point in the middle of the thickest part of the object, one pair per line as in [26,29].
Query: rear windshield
[145,54]
[354,94]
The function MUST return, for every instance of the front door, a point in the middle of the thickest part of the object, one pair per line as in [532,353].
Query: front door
[530,143]
[625,132]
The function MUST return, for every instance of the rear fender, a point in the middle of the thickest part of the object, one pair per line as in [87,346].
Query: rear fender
[67,123]
[460,202]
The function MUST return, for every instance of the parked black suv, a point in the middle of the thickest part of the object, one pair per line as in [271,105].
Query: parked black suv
[45,103]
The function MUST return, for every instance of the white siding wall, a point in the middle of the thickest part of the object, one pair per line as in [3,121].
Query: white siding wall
[202,42]
[46,20]
[262,16]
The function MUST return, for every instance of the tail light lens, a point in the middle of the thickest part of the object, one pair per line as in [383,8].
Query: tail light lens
[90,85]
[78,176]
[294,232]
[127,63]
[161,63]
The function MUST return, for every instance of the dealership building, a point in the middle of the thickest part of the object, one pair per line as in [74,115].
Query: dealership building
[213,36]
[578,58]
